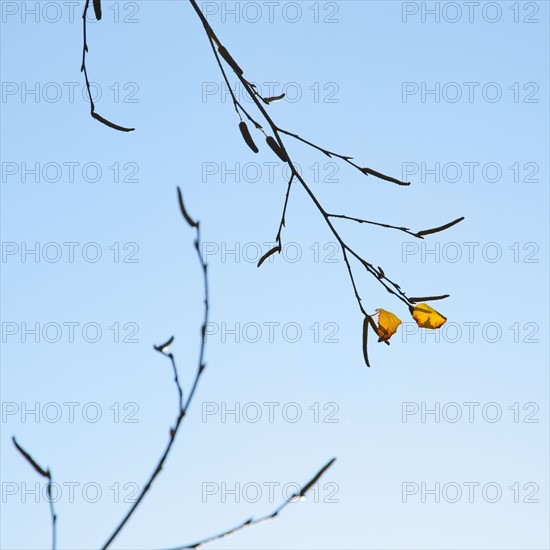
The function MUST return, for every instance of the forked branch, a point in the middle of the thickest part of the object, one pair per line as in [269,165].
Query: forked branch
[274,141]
[183,406]
[84,69]
[278,146]
[48,475]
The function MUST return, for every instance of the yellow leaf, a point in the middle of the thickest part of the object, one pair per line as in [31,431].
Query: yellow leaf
[427,317]
[388,323]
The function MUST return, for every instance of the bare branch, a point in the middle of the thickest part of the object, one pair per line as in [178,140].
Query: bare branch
[418,234]
[251,521]
[275,142]
[182,407]
[349,160]
[83,68]
[387,226]
[283,216]
[47,474]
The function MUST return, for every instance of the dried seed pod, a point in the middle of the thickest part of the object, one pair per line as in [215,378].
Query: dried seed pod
[229,60]
[428,298]
[438,229]
[369,171]
[365,340]
[247,137]
[276,149]
[97,9]
[269,254]
[269,100]
[111,124]
[184,213]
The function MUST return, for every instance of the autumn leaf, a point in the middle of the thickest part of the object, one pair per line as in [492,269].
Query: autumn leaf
[427,317]
[388,323]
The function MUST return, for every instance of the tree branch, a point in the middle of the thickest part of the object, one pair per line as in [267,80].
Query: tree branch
[47,474]
[252,521]
[276,143]
[182,407]
[83,68]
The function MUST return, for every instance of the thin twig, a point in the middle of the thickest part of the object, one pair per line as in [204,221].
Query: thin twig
[349,160]
[251,521]
[387,226]
[279,148]
[183,407]
[48,475]
[84,70]
[283,216]
[418,234]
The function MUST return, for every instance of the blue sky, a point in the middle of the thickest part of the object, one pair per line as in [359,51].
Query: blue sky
[358,76]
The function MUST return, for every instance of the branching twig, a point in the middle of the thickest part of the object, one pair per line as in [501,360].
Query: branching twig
[182,408]
[418,234]
[363,169]
[48,475]
[83,68]
[252,521]
[277,145]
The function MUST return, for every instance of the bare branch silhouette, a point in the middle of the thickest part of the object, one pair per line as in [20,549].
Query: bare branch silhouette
[274,140]
[84,69]
[418,235]
[182,406]
[276,144]
[252,521]
[48,475]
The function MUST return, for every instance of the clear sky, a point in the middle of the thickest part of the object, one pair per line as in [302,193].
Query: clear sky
[455,100]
